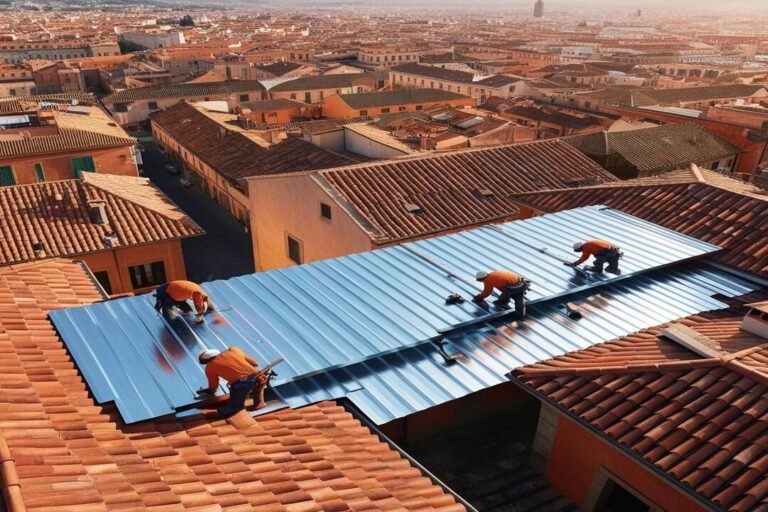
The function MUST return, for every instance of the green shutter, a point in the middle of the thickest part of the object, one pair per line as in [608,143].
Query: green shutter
[39,172]
[82,164]
[6,176]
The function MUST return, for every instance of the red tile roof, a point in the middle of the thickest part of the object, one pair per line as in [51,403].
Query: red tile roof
[446,186]
[60,452]
[719,210]
[703,421]
[137,213]
[235,154]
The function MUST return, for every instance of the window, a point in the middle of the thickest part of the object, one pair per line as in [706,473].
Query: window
[103,279]
[149,274]
[6,176]
[322,95]
[363,112]
[716,165]
[419,107]
[307,97]
[152,105]
[385,111]
[325,211]
[82,164]
[401,109]
[244,97]
[39,172]
[121,107]
[293,95]
[294,250]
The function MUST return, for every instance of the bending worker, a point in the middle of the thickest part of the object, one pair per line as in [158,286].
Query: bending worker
[240,371]
[511,285]
[604,252]
[176,294]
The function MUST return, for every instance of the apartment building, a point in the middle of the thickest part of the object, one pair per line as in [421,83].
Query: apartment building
[388,56]
[18,52]
[335,212]
[385,102]
[217,154]
[132,107]
[124,228]
[460,82]
[47,138]
[314,89]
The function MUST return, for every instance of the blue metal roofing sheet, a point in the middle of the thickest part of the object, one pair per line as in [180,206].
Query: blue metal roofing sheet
[339,312]
[417,378]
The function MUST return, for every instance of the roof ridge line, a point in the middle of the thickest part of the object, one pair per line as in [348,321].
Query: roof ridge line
[9,479]
[688,364]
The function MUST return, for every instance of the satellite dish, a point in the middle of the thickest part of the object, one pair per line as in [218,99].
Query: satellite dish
[74,103]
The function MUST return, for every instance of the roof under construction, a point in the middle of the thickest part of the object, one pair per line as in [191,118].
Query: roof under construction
[350,312]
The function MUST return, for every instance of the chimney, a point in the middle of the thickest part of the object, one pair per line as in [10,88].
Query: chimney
[97,211]
[756,320]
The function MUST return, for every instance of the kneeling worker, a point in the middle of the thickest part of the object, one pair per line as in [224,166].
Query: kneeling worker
[604,252]
[240,371]
[511,285]
[176,294]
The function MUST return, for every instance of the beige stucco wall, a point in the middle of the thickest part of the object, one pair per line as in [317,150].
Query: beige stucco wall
[290,205]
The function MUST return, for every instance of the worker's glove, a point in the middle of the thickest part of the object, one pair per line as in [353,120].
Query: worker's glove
[478,300]
[569,264]
[199,319]
[204,391]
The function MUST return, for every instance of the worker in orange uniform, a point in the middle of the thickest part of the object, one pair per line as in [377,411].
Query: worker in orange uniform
[176,294]
[604,252]
[512,287]
[240,371]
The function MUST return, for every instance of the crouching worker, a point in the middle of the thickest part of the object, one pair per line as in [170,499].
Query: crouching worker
[512,287]
[176,294]
[604,252]
[240,371]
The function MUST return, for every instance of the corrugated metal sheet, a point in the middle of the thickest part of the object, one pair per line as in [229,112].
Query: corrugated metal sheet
[336,313]
[417,378]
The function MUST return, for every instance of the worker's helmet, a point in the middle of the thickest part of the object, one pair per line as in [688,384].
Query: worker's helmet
[208,354]
[577,246]
[481,275]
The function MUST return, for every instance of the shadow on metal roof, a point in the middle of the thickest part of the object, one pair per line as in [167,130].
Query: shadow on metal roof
[353,310]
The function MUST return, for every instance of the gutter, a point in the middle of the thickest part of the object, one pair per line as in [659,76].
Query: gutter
[689,492]
[365,420]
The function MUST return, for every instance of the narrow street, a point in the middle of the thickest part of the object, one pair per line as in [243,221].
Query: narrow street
[226,250]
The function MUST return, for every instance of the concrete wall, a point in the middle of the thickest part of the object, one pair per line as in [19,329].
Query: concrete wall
[58,166]
[319,95]
[290,205]
[334,107]
[118,261]
[332,141]
[578,460]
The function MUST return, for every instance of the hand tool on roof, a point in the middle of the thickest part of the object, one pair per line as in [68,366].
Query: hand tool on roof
[440,344]
[454,298]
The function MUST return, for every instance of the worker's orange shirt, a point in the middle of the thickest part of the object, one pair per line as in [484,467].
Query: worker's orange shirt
[593,248]
[498,279]
[231,365]
[185,290]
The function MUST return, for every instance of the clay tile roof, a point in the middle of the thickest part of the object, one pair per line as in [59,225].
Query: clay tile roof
[238,154]
[76,132]
[658,148]
[61,452]
[398,97]
[275,104]
[705,425]
[444,186]
[190,90]
[323,82]
[137,213]
[723,211]
[451,75]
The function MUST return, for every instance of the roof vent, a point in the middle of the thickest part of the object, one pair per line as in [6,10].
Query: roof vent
[39,249]
[484,193]
[413,208]
[756,320]
[98,212]
[110,240]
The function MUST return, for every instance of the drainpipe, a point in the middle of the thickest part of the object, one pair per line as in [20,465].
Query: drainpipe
[365,420]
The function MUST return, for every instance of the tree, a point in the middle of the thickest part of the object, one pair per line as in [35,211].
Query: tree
[187,21]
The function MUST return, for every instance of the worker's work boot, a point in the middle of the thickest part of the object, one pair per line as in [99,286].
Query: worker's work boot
[594,269]
[501,305]
[613,270]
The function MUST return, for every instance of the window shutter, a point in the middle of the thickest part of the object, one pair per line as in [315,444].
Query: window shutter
[6,176]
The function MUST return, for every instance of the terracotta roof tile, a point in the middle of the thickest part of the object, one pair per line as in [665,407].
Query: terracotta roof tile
[68,454]
[704,424]
[137,213]
[445,186]
[190,90]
